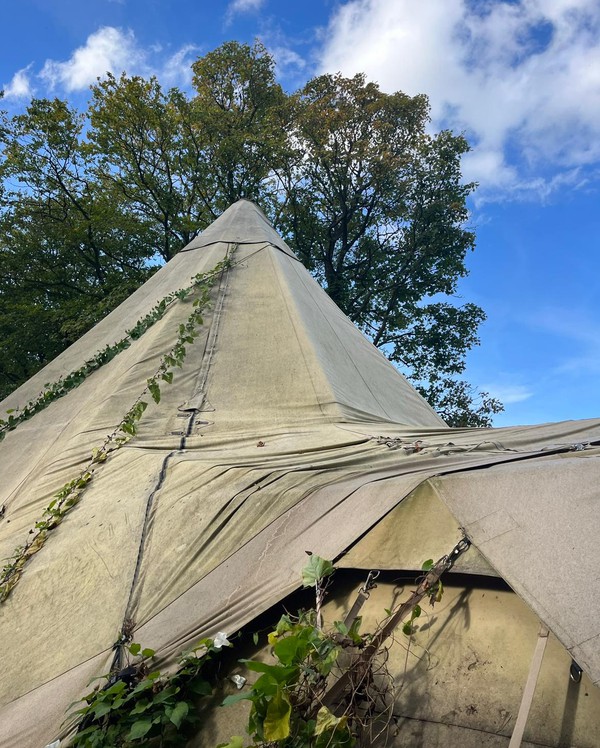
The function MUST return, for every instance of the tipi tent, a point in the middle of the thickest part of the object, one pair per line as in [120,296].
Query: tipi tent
[286,430]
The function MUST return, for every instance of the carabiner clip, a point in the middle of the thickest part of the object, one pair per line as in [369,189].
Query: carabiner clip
[370,581]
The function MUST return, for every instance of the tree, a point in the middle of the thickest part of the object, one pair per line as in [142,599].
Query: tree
[374,206]
[148,155]
[67,256]
[240,112]
[376,209]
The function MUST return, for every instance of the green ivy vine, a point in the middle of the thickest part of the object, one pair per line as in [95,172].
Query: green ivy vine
[71,492]
[64,385]
[289,696]
[140,706]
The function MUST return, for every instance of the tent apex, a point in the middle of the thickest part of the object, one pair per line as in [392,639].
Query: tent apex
[242,223]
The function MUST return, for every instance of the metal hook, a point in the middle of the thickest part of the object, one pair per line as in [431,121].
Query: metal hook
[370,581]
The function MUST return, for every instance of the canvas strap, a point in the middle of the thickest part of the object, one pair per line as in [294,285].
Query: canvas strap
[334,695]
[527,698]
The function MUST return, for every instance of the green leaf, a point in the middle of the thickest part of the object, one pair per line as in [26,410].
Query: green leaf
[315,570]
[235,742]
[255,637]
[140,707]
[135,649]
[286,649]
[328,721]
[427,565]
[128,428]
[102,708]
[147,652]
[201,687]
[167,376]
[407,628]
[277,721]
[416,612]
[154,390]
[235,697]
[355,629]
[179,713]
[279,673]
[139,729]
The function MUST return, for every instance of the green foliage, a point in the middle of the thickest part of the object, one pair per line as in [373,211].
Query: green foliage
[285,708]
[64,385]
[376,208]
[140,706]
[316,570]
[373,204]
[240,113]
[408,628]
[67,256]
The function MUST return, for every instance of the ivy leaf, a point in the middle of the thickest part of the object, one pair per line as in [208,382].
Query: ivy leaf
[135,648]
[277,721]
[168,376]
[427,565]
[154,390]
[179,713]
[235,742]
[234,698]
[315,570]
[328,721]
[139,729]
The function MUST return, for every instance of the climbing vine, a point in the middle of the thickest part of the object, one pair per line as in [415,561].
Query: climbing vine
[295,699]
[138,705]
[71,492]
[63,385]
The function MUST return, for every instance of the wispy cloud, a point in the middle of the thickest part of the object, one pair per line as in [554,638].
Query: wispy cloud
[522,78]
[239,7]
[20,85]
[177,70]
[578,328]
[507,393]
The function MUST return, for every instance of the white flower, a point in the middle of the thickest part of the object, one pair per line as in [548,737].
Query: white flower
[239,680]
[220,640]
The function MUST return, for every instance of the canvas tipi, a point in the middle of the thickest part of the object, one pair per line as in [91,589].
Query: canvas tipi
[286,430]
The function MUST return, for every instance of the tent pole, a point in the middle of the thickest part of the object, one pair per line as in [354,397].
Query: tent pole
[527,698]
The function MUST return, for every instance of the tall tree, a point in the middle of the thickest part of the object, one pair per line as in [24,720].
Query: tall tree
[376,208]
[146,153]
[240,111]
[66,252]
[373,204]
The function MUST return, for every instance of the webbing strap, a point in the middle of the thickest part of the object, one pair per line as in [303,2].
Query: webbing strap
[332,697]
[527,698]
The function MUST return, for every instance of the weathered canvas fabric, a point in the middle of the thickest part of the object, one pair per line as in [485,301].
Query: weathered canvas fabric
[285,430]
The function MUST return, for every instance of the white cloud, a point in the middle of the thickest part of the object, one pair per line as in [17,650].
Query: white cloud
[177,69]
[20,86]
[507,393]
[521,78]
[238,7]
[106,50]
[114,50]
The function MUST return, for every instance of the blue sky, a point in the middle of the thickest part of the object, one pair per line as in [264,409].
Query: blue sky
[520,78]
